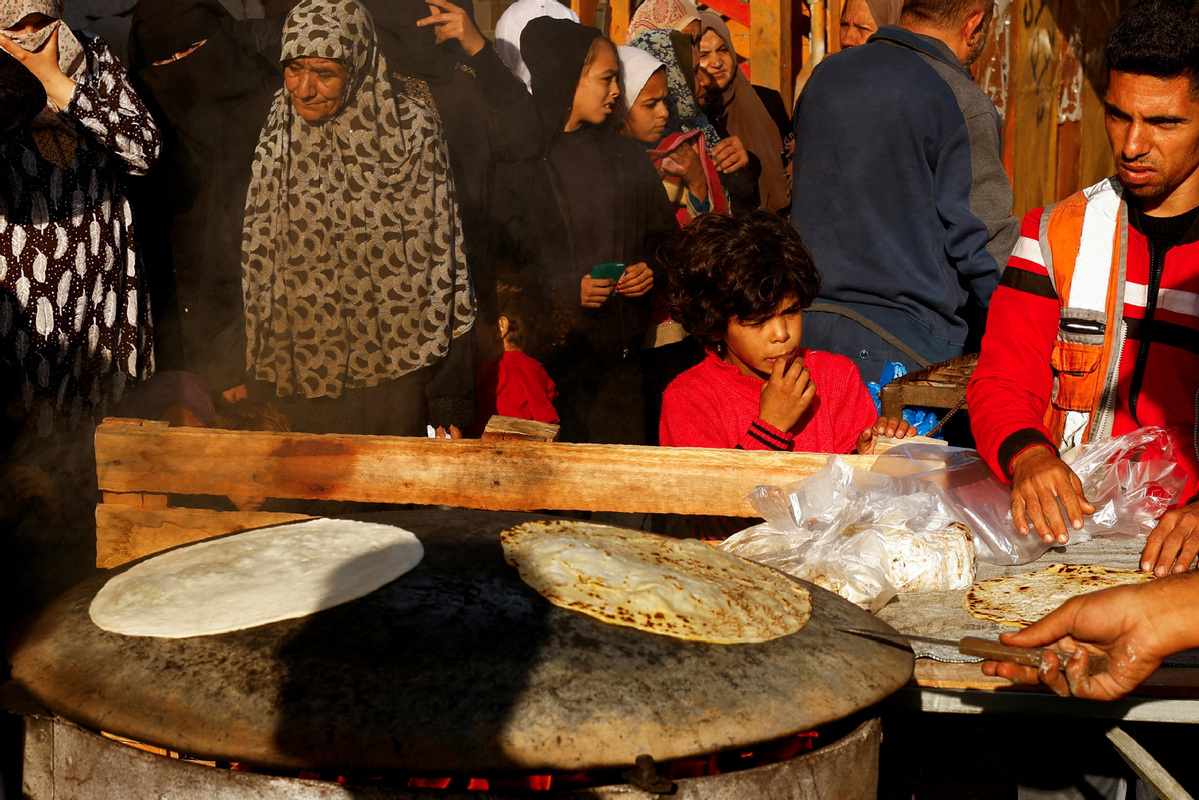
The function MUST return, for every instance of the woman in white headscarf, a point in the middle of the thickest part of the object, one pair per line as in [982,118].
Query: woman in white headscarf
[355,285]
[74,314]
[512,24]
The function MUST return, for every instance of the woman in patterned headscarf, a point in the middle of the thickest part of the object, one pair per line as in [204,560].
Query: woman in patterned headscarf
[353,274]
[74,317]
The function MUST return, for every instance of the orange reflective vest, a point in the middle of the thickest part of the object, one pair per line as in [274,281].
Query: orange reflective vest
[1084,242]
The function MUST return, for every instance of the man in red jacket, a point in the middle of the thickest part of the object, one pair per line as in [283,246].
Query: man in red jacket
[1094,329]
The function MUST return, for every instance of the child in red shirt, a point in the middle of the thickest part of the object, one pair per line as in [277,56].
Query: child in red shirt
[516,384]
[739,285]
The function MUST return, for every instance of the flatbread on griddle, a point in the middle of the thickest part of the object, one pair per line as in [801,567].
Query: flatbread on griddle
[1021,600]
[675,587]
[254,578]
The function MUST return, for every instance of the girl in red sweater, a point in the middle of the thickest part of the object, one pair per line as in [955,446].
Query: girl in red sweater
[739,285]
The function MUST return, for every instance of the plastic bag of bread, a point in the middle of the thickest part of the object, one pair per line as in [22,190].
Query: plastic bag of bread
[863,535]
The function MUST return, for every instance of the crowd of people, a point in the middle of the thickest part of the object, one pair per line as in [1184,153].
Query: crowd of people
[366,217]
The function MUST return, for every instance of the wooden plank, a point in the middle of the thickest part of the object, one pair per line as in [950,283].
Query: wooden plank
[1095,158]
[125,533]
[770,44]
[738,10]
[504,428]
[1146,767]
[138,499]
[619,14]
[510,475]
[1072,24]
[929,674]
[993,74]
[586,11]
[1036,70]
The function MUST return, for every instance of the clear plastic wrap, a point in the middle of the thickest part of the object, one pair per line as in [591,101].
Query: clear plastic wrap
[1132,480]
[863,535]
[982,499]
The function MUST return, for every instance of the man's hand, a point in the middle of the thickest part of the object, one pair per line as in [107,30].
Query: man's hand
[453,23]
[1174,543]
[730,155]
[44,65]
[1039,480]
[636,281]
[594,292]
[894,427]
[1136,627]
[787,394]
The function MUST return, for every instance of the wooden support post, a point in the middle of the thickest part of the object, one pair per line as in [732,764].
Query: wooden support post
[1036,72]
[619,13]
[770,44]
[586,11]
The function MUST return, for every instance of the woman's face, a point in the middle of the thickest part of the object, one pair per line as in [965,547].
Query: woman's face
[716,60]
[599,86]
[317,87]
[647,117]
[30,23]
[857,24]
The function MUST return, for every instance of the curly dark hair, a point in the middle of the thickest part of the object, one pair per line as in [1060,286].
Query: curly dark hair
[1158,38]
[532,318]
[744,266]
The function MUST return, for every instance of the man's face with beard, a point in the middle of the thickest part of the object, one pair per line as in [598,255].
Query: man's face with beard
[1153,126]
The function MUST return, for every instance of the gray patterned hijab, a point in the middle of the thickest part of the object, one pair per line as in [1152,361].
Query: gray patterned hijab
[70,52]
[352,268]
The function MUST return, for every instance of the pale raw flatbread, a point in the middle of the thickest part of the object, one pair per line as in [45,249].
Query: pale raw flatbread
[254,578]
[1021,600]
[675,587]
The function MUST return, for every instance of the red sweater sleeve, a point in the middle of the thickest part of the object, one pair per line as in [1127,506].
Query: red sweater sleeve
[1011,386]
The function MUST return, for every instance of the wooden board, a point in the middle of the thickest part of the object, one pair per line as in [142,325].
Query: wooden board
[127,533]
[929,674]
[135,462]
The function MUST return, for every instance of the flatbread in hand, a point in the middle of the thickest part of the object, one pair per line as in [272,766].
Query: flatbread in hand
[1021,600]
[675,587]
[254,578]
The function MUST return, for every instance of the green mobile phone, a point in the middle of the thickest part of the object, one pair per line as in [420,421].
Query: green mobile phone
[607,272]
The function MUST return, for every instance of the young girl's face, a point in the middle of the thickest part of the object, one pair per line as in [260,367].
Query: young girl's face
[648,116]
[754,345]
[599,86]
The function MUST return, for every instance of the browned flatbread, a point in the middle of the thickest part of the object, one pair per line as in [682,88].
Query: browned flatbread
[1021,600]
[675,587]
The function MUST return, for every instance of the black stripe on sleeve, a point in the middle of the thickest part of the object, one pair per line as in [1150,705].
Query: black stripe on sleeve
[772,443]
[769,434]
[1028,282]
[1013,445]
[1160,332]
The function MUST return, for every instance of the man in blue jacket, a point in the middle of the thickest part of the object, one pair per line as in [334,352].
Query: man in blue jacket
[899,190]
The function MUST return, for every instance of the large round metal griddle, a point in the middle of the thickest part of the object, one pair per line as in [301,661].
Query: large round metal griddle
[457,667]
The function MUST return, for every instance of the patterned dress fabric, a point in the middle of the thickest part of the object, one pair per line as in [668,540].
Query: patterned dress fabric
[74,313]
[70,51]
[353,271]
[671,15]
